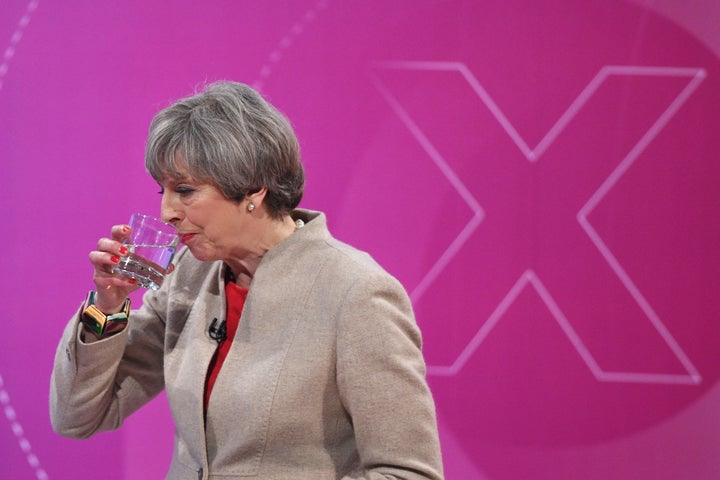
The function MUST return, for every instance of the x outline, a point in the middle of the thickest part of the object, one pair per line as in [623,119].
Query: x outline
[696,76]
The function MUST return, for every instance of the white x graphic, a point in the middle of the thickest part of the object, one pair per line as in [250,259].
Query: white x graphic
[529,277]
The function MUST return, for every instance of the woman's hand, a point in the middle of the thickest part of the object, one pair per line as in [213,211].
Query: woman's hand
[112,290]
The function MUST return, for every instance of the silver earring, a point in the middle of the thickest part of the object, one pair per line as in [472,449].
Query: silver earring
[251,207]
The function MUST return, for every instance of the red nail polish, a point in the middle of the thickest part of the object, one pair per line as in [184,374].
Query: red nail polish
[115,259]
[132,281]
[123,250]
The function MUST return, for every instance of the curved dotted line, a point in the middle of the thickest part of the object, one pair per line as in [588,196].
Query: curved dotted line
[286,42]
[15,39]
[7,407]
[17,429]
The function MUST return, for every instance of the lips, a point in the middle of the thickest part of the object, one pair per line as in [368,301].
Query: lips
[186,237]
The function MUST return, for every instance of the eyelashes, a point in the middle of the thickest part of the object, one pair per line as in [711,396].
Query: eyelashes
[182,191]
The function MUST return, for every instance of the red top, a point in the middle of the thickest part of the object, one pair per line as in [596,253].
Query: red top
[235,295]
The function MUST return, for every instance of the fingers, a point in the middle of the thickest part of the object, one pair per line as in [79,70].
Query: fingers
[104,262]
[120,232]
[107,255]
[112,289]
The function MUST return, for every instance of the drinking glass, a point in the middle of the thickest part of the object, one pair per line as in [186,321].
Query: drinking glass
[151,247]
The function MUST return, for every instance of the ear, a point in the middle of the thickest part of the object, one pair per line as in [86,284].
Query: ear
[256,198]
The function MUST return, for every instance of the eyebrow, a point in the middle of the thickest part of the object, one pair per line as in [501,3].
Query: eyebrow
[176,179]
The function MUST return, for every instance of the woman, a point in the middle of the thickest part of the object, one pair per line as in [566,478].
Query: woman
[317,372]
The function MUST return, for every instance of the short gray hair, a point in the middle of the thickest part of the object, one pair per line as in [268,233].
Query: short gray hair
[228,135]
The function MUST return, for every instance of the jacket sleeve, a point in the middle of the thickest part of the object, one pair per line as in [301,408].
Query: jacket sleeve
[381,376]
[95,386]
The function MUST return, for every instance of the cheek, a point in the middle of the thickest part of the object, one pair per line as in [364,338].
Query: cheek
[204,250]
[212,238]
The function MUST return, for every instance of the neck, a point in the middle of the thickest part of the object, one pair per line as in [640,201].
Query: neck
[274,232]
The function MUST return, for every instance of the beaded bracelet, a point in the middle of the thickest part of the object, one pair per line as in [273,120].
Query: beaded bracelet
[100,324]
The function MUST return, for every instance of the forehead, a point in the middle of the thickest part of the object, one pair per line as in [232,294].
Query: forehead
[172,179]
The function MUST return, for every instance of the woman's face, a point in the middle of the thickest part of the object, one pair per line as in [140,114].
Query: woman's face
[209,224]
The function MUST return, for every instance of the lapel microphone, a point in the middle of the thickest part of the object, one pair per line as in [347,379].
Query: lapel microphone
[217,331]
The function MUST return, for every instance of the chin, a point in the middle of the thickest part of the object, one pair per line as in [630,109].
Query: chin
[202,255]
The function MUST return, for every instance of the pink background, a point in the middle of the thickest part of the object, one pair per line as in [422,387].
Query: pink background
[541,175]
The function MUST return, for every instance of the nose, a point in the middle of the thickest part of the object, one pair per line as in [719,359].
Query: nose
[169,211]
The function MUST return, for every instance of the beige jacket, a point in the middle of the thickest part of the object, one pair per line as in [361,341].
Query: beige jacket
[324,380]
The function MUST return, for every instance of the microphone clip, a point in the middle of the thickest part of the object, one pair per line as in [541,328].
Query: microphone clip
[217,331]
